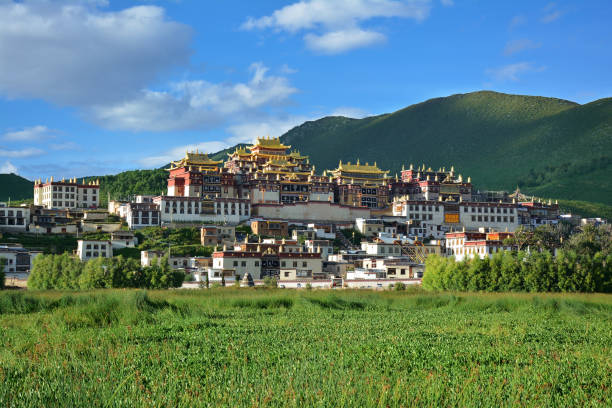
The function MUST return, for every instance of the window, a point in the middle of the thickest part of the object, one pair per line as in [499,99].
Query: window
[283,263]
[304,264]
[473,218]
[256,263]
[286,274]
[235,263]
[295,264]
[243,263]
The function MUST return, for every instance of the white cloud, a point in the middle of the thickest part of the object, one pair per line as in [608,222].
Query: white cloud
[196,104]
[28,152]
[8,168]
[74,53]
[335,42]
[515,46]
[552,16]
[551,13]
[29,134]
[517,21]
[287,70]
[349,112]
[248,132]
[332,20]
[178,152]
[447,3]
[65,146]
[512,72]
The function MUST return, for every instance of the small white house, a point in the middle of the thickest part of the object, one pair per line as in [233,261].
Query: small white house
[87,249]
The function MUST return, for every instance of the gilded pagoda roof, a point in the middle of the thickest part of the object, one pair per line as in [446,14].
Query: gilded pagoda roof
[195,159]
[240,151]
[269,143]
[296,155]
[278,161]
[360,168]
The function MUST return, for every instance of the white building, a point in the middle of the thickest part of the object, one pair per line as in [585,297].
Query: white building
[141,215]
[322,246]
[431,218]
[123,239]
[381,248]
[369,227]
[17,260]
[232,263]
[14,218]
[66,194]
[87,249]
[468,244]
[175,209]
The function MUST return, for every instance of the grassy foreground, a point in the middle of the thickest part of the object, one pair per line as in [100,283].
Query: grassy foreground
[247,347]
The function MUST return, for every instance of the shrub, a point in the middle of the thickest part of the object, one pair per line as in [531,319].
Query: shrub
[270,282]
[400,286]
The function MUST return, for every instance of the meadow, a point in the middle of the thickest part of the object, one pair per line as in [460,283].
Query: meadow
[272,347]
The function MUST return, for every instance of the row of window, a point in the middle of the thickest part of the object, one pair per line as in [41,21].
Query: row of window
[486,210]
[424,216]
[485,218]
[10,213]
[415,207]
[283,264]
[95,246]
[293,187]
[12,221]
[368,191]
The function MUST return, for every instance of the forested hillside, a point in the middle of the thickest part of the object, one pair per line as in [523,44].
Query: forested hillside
[548,147]
[15,187]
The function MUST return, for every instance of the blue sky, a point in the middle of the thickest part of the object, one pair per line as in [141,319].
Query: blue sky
[97,87]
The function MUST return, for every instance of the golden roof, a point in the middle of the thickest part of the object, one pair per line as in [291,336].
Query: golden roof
[359,168]
[297,155]
[195,159]
[278,161]
[269,143]
[240,151]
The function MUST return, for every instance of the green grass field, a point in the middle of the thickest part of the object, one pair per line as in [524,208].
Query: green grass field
[263,347]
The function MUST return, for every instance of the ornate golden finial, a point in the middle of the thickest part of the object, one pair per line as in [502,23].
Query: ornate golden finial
[396,178]
[403,167]
[469,179]
[358,161]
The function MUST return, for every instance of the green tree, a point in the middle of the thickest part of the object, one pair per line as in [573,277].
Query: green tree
[2,275]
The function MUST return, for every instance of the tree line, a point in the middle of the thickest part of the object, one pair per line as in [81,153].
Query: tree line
[66,272]
[583,263]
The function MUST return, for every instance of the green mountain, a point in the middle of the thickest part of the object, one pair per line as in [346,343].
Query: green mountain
[548,147]
[15,187]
